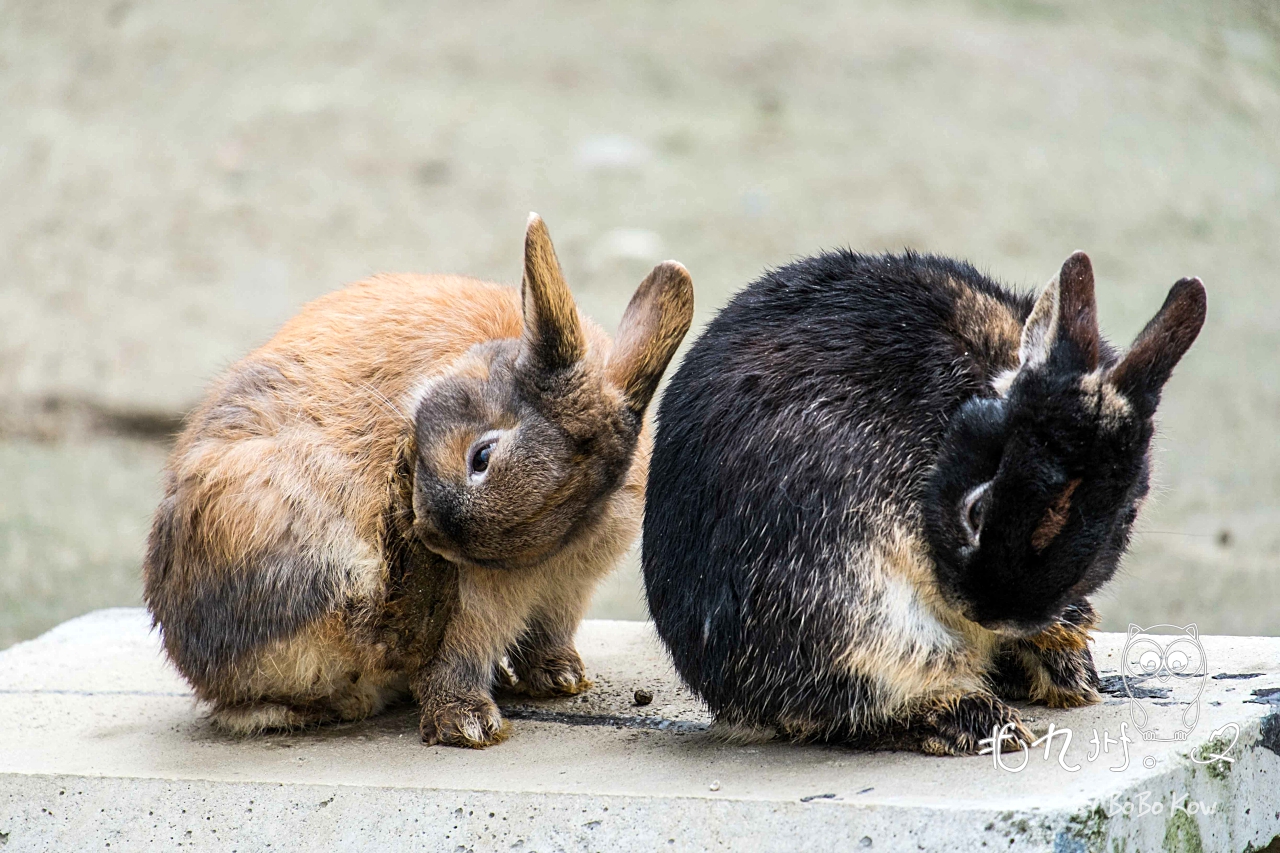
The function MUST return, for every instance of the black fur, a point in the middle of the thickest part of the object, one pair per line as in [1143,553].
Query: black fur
[812,392]
[835,399]
[1047,434]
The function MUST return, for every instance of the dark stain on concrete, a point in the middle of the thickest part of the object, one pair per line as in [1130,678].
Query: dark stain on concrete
[1113,685]
[1271,732]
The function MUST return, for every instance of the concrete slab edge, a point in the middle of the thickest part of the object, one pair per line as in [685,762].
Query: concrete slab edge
[1190,808]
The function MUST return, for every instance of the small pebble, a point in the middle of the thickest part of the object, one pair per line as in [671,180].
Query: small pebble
[715,786]
[643,697]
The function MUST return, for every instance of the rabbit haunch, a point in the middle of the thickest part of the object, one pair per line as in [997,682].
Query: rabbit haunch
[417,478]
[883,488]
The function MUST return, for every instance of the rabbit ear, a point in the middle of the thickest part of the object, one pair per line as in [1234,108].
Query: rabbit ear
[1041,328]
[654,324]
[553,337]
[1066,310]
[1078,309]
[1142,372]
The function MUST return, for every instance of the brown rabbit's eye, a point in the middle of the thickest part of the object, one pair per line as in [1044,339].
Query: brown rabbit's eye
[480,458]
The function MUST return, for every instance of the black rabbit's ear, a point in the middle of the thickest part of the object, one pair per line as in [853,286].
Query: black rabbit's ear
[553,337]
[1041,328]
[1066,311]
[1142,372]
[655,322]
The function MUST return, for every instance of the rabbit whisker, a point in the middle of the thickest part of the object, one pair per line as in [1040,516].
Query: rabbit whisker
[381,398]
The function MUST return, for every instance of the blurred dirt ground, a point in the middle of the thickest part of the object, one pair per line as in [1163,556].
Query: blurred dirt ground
[176,179]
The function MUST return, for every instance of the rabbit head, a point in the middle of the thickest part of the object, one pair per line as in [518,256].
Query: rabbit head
[521,442]
[1030,503]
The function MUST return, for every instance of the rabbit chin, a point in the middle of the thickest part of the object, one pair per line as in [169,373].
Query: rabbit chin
[1015,628]
[1011,627]
[518,560]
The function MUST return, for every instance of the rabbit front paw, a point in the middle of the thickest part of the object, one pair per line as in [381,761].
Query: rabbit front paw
[472,721]
[1053,668]
[957,725]
[556,672]
[1064,679]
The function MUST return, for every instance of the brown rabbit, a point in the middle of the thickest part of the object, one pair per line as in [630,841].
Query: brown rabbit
[418,477]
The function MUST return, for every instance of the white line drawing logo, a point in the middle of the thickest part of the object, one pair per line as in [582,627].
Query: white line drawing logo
[1165,665]
[1164,670]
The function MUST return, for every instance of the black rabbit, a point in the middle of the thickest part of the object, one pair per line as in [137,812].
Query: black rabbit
[882,488]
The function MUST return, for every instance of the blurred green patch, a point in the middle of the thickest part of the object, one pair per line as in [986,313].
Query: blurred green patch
[73,524]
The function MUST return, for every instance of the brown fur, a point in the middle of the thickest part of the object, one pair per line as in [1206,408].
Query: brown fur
[1055,518]
[634,366]
[988,325]
[302,567]
[1064,637]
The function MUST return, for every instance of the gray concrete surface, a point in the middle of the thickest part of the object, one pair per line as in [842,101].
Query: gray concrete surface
[103,744]
[176,180]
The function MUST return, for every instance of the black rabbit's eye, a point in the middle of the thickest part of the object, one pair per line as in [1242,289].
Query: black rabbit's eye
[480,458]
[977,512]
[973,511]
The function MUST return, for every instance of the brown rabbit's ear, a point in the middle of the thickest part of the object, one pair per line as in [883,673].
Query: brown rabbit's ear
[553,337]
[654,324]
[1142,372]
[1066,310]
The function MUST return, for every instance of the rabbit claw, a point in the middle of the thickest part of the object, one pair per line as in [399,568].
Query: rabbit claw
[959,725]
[473,722]
[557,673]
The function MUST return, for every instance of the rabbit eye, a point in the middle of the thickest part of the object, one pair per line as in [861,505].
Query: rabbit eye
[479,462]
[973,511]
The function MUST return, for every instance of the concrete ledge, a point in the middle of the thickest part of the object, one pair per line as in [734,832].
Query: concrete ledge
[102,746]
